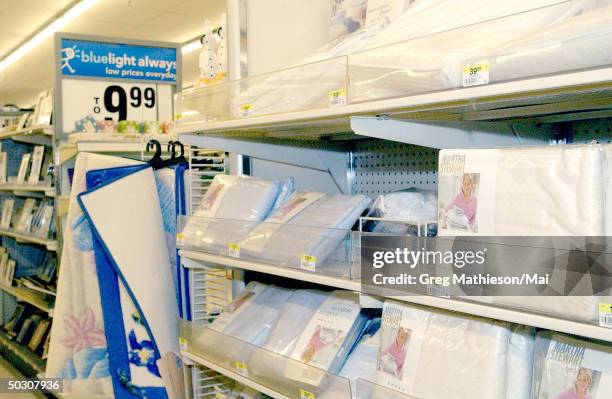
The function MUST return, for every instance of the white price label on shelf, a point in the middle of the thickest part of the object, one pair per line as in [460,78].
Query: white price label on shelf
[183,343]
[304,394]
[337,98]
[115,100]
[476,74]
[605,315]
[308,262]
[241,368]
[233,250]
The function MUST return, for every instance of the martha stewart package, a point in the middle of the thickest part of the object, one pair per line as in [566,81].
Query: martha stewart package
[568,368]
[327,339]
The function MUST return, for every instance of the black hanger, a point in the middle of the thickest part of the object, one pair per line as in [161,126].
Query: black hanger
[180,158]
[171,160]
[156,161]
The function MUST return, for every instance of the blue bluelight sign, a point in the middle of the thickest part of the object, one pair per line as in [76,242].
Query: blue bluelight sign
[119,61]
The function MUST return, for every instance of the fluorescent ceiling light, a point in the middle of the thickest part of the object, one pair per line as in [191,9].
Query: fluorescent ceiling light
[191,46]
[47,31]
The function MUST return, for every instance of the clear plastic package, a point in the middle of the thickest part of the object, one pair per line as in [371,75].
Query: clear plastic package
[432,354]
[568,367]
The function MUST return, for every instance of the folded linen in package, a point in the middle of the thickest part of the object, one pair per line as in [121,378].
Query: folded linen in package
[520,362]
[567,367]
[248,319]
[517,191]
[230,209]
[326,340]
[413,206]
[270,362]
[309,223]
[436,354]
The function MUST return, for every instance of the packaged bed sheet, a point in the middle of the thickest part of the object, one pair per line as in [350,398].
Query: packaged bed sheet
[566,367]
[412,211]
[427,47]
[308,224]
[436,354]
[537,191]
[247,321]
[230,209]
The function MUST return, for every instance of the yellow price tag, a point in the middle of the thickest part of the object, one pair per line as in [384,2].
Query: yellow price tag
[241,368]
[308,262]
[233,250]
[304,394]
[337,97]
[179,238]
[605,315]
[247,109]
[476,74]
[183,343]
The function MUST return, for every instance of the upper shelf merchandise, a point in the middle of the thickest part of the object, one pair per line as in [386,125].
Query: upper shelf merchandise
[489,193]
[433,46]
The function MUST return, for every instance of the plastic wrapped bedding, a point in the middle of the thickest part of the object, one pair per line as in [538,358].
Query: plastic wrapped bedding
[327,339]
[291,322]
[248,319]
[435,61]
[309,223]
[361,363]
[516,192]
[434,354]
[567,367]
[414,206]
[520,362]
[231,208]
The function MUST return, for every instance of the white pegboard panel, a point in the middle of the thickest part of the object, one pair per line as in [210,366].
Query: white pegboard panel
[381,167]
[599,130]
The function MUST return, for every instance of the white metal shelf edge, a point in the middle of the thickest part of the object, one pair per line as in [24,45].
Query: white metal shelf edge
[476,309]
[51,245]
[431,101]
[233,375]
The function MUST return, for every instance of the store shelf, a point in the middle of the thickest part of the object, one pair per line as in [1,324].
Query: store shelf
[51,245]
[582,91]
[471,308]
[28,187]
[38,135]
[34,298]
[23,353]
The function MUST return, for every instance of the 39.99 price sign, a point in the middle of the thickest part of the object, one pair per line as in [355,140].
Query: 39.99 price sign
[114,100]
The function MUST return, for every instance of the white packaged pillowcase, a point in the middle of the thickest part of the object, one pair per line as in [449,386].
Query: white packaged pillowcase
[248,320]
[327,339]
[521,348]
[230,209]
[435,354]
[271,361]
[533,191]
[308,224]
[413,206]
[568,368]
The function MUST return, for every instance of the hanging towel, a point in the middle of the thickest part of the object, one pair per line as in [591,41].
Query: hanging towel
[123,206]
[78,348]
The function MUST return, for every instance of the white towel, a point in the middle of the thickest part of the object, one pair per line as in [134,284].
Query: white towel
[445,355]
